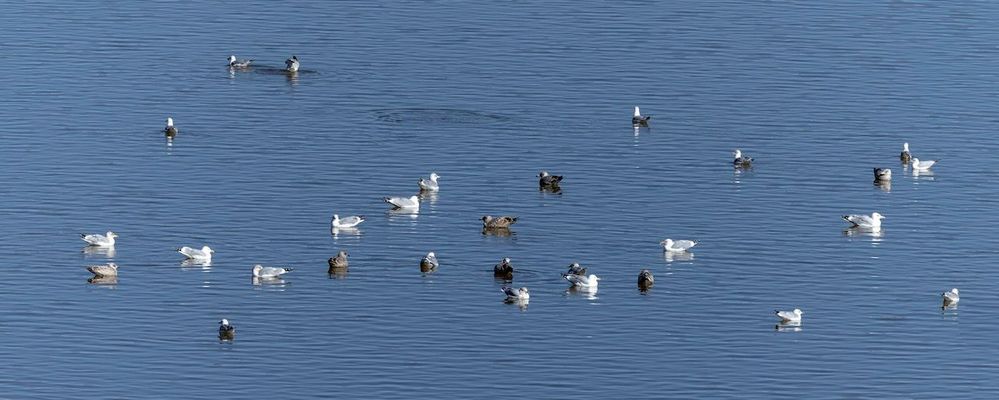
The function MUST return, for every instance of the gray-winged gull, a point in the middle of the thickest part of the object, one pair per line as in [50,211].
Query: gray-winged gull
[205,254]
[872,221]
[260,271]
[789,316]
[105,240]
[430,185]
[677,245]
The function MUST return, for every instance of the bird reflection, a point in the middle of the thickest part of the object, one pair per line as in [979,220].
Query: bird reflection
[337,273]
[589,292]
[520,303]
[428,196]
[501,232]
[99,251]
[292,77]
[257,281]
[875,233]
[883,185]
[353,231]
[788,327]
[925,174]
[103,280]
[672,256]
[193,263]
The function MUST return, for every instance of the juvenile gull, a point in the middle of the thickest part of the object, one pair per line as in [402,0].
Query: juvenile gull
[863,221]
[575,269]
[170,130]
[678,245]
[549,181]
[905,156]
[638,119]
[346,222]
[233,62]
[429,262]
[409,203]
[104,270]
[922,165]
[205,254]
[741,161]
[515,295]
[789,316]
[490,222]
[260,271]
[646,279]
[950,298]
[581,281]
[503,270]
[105,240]
[291,64]
[339,262]
[882,174]
[430,185]
[226,331]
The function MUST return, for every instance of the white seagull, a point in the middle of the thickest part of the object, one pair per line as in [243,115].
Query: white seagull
[922,165]
[260,271]
[863,221]
[793,317]
[409,203]
[882,174]
[205,254]
[513,294]
[951,298]
[905,156]
[105,240]
[678,245]
[104,270]
[346,222]
[170,130]
[430,185]
[233,62]
[583,281]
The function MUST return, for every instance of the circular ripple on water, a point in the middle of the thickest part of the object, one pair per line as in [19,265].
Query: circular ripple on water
[433,116]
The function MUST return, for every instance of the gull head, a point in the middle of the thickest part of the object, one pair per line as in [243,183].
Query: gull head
[877,216]
[112,234]
[207,250]
[592,279]
[637,112]
[523,292]
[342,253]
[506,259]
[115,266]
[797,312]
[915,161]
[737,153]
[431,254]
[434,176]
[905,146]
[415,199]
[256,269]
[667,243]
[543,174]
[169,122]
[336,218]
[224,322]
[954,290]
[232,59]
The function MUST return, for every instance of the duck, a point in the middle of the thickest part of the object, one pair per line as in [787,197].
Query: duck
[489,222]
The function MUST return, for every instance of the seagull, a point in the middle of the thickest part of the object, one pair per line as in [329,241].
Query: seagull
[226,331]
[205,254]
[882,174]
[646,279]
[678,245]
[409,203]
[104,270]
[346,222]
[503,270]
[170,130]
[951,298]
[260,271]
[429,262]
[489,221]
[863,221]
[338,262]
[514,295]
[740,161]
[640,120]
[291,64]
[793,317]
[546,180]
[430,185]
[905,156]
[582,281]
[233,62]
[575,269]
[106,240]
[922,165]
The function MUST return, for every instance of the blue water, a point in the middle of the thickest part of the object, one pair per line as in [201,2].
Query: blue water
[487,95]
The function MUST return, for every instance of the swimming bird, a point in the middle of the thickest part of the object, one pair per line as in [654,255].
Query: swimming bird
[863,221]
[882,174]
[105,240]
[950,298]
[638,119]
[503,270]
[582,281]
[429,262]
[905,156]
[548,181]
[260,271]
[489,222]
[514,295]
[430,185]
[922,165]
[226,331]
[575,269]
[646,279]
[741,161]
[677,245]
[205,254]
[346,222]
[170,130]
[233,62]
[409,203]
[291,64]
[339,262]
[104,270]
[789,316]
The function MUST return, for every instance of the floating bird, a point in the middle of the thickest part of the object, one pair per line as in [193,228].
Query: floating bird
[430,185]
[905,156]
[409,203]
[575,269]
[863,221]
[741,161]
[490,222]
[793,317]
[922,165]
[678,245]
[582,281]
[260,271]
[226,331]
[233,62]
[503,270]
[638,119]
[205,254]
[646,279]
[882,174]
[346,222]
[104,270]
[339,262]
[429,262]
[170,130]
[515,295]
[291,64]
[105,240]
[951,298]
[548,181]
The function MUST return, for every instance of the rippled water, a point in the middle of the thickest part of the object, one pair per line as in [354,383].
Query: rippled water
[487,95]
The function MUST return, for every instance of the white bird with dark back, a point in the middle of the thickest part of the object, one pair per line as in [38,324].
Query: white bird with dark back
[951,297]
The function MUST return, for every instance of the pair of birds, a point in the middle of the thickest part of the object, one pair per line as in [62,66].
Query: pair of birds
[291,64]
[950,298]
[576,275]
[917,165]
[105,241]
[412,203]
[740,160]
